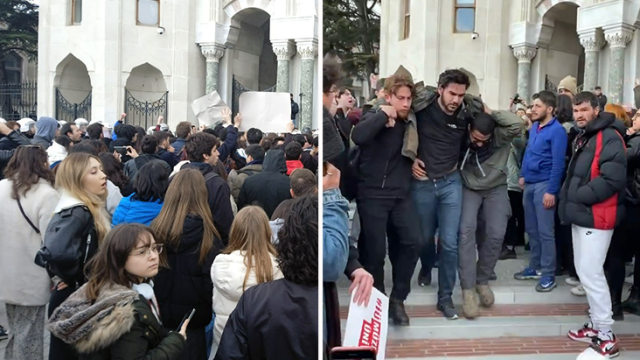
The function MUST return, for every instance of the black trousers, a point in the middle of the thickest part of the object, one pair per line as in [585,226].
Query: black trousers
[623,243]
[58,349]
[398,219]
[515,226]
[564,248]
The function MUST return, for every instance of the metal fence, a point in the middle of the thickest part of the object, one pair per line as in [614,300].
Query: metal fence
[65,110]
[18,101]
[145,113]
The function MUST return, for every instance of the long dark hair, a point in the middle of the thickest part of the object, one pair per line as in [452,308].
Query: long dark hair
[151,182]
[113,169]
[107,266]
[564,109]
[298,242]
[25,169]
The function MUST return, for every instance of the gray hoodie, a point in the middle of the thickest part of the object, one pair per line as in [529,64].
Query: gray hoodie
[46,128]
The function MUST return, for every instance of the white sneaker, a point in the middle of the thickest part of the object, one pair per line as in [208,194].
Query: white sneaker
[578,291]
[571,281]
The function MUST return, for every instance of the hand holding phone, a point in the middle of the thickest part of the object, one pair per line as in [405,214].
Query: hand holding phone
[185,320]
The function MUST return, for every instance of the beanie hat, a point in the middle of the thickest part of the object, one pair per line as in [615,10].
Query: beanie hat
[332,145]
[569,84]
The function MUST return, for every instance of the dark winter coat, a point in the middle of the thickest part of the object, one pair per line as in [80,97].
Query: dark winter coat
[186,284]
[16,139]
[119,325]
[132,166]
[272,321]
[70,242]
[268,188]
[633,169]
[219,198]
[243,174]
[347,177]
[171,158]
[592,195]
[382,170]
[121,142]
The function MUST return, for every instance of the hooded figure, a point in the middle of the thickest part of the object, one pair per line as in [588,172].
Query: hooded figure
[46,128]
[273,177]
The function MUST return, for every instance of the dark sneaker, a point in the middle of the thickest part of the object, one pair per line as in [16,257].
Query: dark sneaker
[493,276]
[606,345]
[448,310]
[424,279]
[546,284]
[586,334]
[3,333]
[507,254]
[397,314]
[527,274]
[632,304]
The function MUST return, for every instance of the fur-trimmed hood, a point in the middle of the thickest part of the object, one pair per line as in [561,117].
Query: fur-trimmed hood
[93,326]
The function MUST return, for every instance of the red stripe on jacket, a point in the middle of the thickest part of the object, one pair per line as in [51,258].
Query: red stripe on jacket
[604,213]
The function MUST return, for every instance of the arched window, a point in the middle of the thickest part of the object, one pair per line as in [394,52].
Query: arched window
[148,12]
[13,65]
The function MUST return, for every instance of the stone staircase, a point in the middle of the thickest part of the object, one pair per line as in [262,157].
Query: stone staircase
[523,324]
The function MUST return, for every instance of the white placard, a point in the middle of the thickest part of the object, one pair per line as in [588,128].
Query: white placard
[208,109]
[368,326]
[267,111]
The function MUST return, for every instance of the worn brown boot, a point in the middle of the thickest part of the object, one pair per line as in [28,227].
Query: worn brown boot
[470,304]
[486,295]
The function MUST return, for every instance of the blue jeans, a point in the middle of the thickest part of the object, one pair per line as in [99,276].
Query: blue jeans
[439,205]
[539,224]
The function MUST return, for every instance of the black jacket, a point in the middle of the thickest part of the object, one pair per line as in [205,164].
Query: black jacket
[219,198]
[15,139]
[269,187]
[70,241]
[170,158]
[187,284]
[121,142]
[633,169]
[592,195]
[383,172]
[272,321]
[348,185]
[132,166]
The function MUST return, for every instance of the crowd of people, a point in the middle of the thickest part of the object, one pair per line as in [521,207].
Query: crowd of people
[113,236]
[438,176]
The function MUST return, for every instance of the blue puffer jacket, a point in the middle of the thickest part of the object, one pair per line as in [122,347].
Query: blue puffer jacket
[136,211]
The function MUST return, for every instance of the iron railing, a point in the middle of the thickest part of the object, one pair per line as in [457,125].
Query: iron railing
[145,113]
[68,111]
[18,101]
[236,90]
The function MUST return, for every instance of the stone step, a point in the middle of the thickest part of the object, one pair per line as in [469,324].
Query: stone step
[627,355]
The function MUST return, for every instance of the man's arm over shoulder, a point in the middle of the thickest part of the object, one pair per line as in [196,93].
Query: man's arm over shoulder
[509,126]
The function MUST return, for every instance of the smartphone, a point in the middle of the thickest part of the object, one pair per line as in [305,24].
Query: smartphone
[358,353]
[122,150]
[186,317]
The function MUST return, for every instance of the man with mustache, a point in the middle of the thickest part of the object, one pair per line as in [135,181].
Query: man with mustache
[383,185]
[592,201]
[541,176]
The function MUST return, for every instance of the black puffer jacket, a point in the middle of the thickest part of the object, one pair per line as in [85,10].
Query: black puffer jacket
[269,187]
[187,284]
[592,195]
[633,169]
[15,139]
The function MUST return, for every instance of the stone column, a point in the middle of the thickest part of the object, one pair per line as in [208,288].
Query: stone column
[213,53]
[308,51]
[618,37]
[592,42]
[284,52]
[524,53]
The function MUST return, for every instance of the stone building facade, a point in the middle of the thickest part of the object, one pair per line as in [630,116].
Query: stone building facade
[509,46]
[129,54]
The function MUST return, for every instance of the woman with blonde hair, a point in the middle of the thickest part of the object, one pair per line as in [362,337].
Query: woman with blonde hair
[28,199]
[185,228]
[75,232]
[249,260]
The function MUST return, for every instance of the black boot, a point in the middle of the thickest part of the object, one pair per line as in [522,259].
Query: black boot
[632,304]
[616,306]
[397,314]
[424,278]
[506,254]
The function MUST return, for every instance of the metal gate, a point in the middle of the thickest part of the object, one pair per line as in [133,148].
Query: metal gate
[144,113]
[67,111]
[18,101]
[237,90]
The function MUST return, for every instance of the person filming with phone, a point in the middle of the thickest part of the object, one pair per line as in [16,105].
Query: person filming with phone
[115,315]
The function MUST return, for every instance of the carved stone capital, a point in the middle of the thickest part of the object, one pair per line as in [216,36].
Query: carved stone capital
[308,50]
[592,42]
[619,36]
[284,51]
[213,52]
[525,53]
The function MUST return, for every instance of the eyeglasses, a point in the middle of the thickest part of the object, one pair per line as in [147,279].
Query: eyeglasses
[146,251]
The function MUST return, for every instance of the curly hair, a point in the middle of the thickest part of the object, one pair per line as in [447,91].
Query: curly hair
[200,144]
[298,242]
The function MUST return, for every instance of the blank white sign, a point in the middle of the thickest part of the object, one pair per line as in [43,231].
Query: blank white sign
[267,111]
